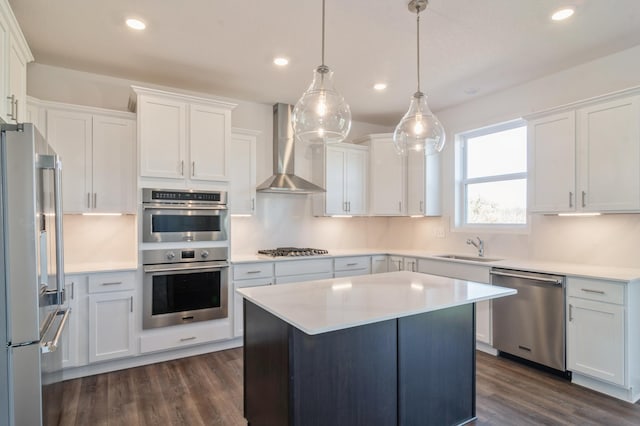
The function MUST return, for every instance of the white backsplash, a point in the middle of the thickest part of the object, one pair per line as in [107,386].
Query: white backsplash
[95,239]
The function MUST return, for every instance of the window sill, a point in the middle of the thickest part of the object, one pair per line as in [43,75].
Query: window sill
[493,229]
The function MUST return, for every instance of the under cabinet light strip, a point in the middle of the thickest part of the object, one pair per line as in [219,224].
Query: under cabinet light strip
[580,214]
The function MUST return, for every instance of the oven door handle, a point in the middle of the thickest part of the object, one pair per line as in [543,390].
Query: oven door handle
[163,268]
[183,207]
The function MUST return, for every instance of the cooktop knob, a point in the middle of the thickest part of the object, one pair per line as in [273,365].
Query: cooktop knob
[171,255]
[204,254]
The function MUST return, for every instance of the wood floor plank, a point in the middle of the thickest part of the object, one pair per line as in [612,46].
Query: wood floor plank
[207,390]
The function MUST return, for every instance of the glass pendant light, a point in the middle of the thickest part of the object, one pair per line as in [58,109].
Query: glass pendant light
[419,129]
[321,115]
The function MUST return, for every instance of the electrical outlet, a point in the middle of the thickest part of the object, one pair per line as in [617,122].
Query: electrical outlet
[439,232]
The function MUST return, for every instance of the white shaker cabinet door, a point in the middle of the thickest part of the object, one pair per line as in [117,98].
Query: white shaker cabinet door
[209,141]
[335,182]
[69,133]
[113,165]
[595,340]
[162,137]
[609,155]
[356,181]
[242,184]
[111,326]
[551,145]
[387,179]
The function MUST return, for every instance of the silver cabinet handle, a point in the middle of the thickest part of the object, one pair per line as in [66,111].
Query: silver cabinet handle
[193,168]
[73,286]
[253,272]
[570,199]
[15,114]
[344,206]
[400,206]
[570,312]
[88,200]
[95,200]
[421,206]
[181,165]
[352,264]
[584,194]
[112,283]
[186,339]
[588,290]
[131,304]
[12,102]
[253,204]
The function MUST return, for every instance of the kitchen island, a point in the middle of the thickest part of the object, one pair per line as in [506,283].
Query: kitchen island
[395,348]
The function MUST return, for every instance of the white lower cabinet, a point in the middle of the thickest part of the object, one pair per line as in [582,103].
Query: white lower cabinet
[401,263]
[379,264]
[352,266]
[469,272]
[111,320]
[248,275]
[70,336]
[293,271]
[596,329]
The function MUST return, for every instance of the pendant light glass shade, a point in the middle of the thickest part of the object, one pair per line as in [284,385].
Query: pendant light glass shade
[419,130]
[321,115]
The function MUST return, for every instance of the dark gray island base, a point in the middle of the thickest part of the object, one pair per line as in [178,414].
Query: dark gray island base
[414,370]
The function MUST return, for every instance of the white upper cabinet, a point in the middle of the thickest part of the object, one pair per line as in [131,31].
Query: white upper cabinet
[609,155]
[97,149]
[242,186]
[387,177]
[586,158]
[182,137]
[423,184]
[14,56]
[342,170]
[551,146]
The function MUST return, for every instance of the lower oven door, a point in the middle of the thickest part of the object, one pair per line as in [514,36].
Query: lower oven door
[180,294]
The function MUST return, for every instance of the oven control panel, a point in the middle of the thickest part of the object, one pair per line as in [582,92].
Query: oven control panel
[150,257]
[177,196]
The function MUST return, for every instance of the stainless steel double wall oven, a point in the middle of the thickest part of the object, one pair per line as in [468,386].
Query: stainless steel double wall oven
[187,283]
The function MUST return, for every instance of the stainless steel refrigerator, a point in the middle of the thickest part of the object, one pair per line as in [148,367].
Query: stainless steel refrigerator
[32,316]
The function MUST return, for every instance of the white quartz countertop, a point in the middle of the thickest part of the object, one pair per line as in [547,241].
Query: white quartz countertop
[86,268]
[327,305]
[544,266]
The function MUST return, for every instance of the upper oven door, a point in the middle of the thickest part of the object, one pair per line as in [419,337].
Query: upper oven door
[175,224]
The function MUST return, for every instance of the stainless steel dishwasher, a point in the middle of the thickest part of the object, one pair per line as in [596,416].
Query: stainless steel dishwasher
[530,324]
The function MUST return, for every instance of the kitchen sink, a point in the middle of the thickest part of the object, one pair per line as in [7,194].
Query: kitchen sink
[470,258]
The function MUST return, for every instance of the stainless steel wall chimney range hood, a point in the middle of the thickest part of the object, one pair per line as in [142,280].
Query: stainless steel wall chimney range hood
[284,181]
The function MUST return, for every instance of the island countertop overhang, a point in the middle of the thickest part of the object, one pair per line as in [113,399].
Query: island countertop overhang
[317,307]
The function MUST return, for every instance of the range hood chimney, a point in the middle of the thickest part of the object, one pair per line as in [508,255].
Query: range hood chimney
[284,181]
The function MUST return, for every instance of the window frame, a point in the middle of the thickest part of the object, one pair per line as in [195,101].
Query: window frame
[462,181]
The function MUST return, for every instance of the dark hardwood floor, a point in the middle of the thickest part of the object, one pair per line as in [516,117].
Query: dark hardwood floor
[207,390]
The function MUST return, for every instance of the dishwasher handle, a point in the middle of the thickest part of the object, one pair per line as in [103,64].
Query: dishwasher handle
[550,280]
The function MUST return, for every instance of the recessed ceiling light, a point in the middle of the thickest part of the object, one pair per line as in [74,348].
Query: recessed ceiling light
[281,62]
[562,14]
[380,86]
[136,24]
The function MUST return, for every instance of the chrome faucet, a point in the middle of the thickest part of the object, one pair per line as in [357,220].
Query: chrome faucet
[479,245]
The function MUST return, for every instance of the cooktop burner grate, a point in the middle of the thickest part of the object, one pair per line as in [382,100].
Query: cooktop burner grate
[293,251]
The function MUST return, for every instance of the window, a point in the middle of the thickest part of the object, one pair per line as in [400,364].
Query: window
[493,178]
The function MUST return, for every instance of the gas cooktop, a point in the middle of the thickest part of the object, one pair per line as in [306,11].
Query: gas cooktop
[293,251]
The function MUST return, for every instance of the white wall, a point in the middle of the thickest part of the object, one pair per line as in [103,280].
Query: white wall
[281,220]
[603,240]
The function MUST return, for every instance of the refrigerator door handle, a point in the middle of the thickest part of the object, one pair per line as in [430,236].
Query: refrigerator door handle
[57,191]
[52,345]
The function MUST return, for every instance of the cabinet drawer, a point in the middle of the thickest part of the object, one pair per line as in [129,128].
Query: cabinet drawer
[116,281]
[253,270]
[185,335]
[350,263]
[299,267]
[304,277]
[253,283]
[602,291]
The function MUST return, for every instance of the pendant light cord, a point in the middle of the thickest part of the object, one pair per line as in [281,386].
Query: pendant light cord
[323,32]
[418,45]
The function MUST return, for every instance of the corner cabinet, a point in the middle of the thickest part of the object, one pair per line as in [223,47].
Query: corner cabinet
[342,170]
[603,346]
[586,158]
[242,184]
[97,148]
[14,57]
[182,137]
[401,185]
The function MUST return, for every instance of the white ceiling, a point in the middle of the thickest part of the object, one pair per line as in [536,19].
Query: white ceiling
[226,47]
